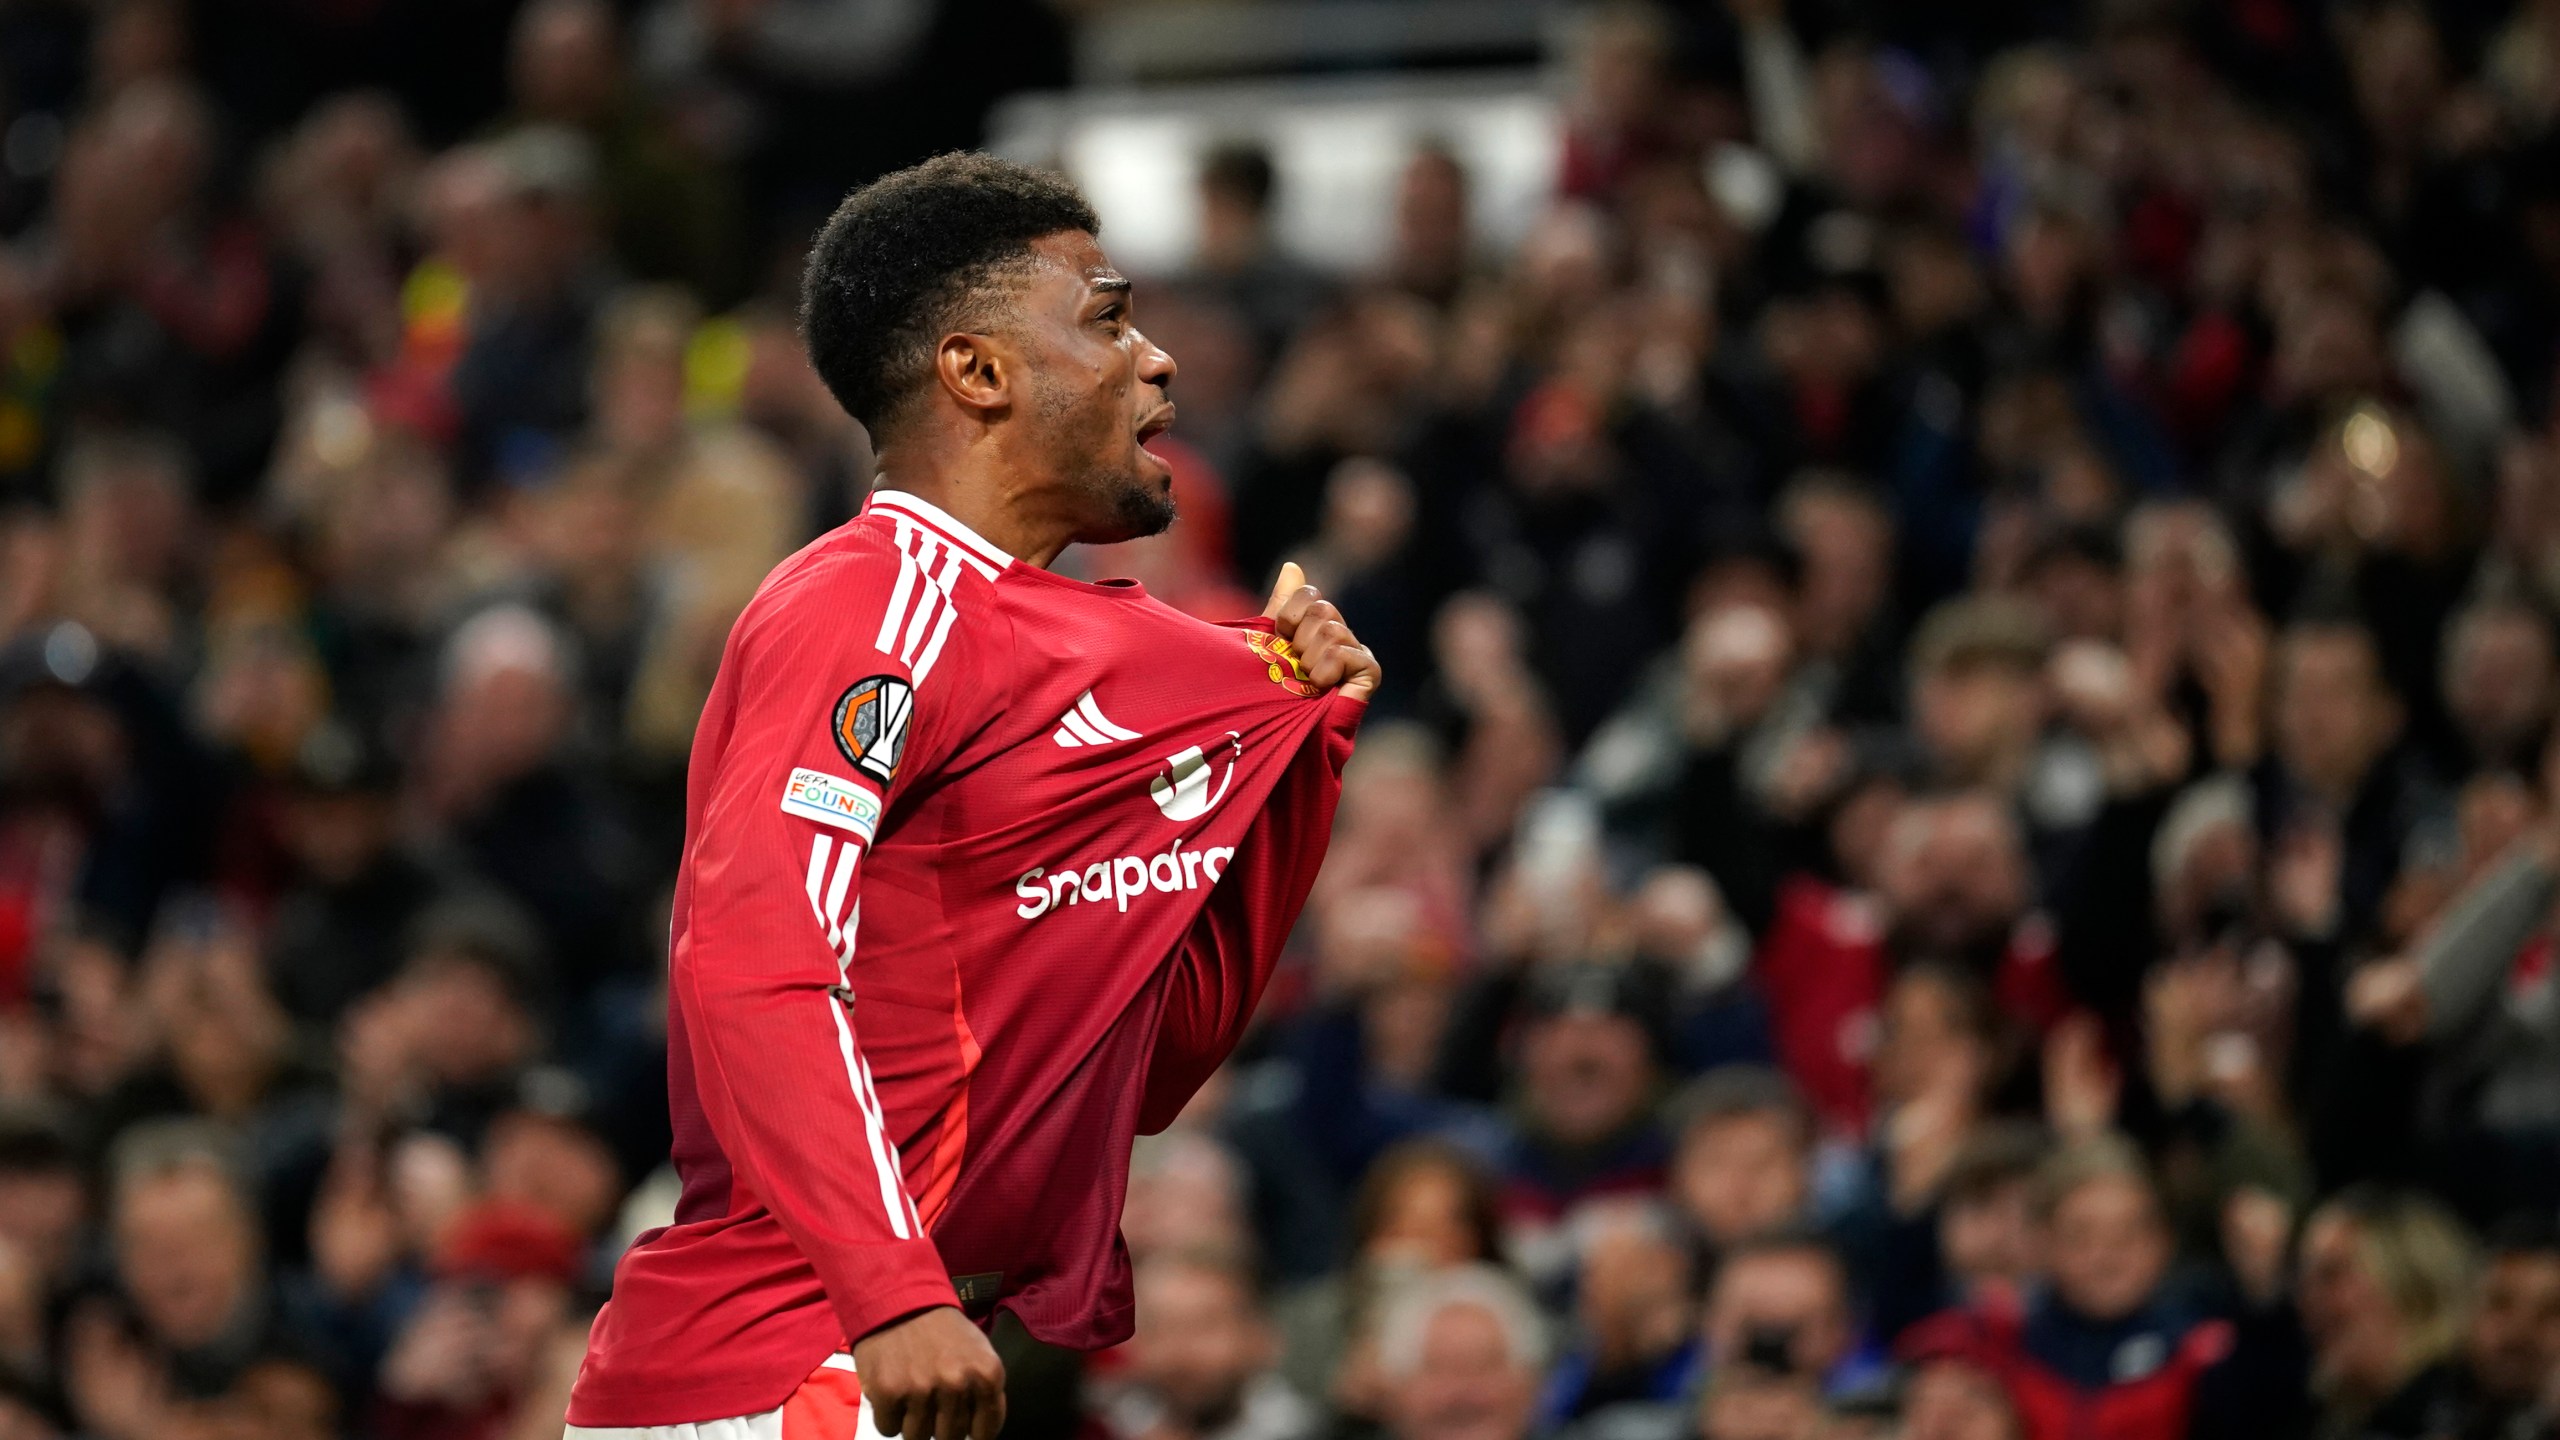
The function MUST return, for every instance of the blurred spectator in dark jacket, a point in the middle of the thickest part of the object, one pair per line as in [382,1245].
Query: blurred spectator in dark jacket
[1239,258]
[1981,1244]
[1582,1127]
[470,1355]
[502,781]
[174,312]
[521,214]
[2501,685]
[339,932]
[1200,1367]
[194,1311]
[2334,804]
[1954,892]
[1433,252]
[1743,1155]
[2107,1347]
[670,215]
[1633,1320]
[105,801]
[2383,1280]
[44,1225]
[445,1041]
[2510,1357]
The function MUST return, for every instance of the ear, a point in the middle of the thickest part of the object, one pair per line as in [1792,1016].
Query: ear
[976,370]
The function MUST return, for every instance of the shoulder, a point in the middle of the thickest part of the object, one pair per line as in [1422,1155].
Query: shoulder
[881,587]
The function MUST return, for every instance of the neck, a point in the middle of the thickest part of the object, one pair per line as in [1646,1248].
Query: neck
[989,497]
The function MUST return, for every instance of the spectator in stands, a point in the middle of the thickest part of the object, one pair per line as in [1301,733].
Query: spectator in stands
[2508,1378]
[2384,1277]
[543,1156]
[1434,250]
[1956,1399]
[1186,1197]
[1981,1245]
[467,1360]
[1583,1127]
[1977,693]
[1460,1353]
[1239,258]
[44,1202]
[1200,1367]
[502,779]
[538,276]
[2333,809]
[1633,1326]
[1942,1055]
[1742,1165]
[193,1315]
[448,1038]
[1684,932]
[2107,1347]
[2468,1005]
[339,929]
[671,216]
[1424,1207]
[2501,684]
[1781,1302]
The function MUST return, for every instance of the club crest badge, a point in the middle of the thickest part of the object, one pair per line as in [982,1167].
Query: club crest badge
[1280,662]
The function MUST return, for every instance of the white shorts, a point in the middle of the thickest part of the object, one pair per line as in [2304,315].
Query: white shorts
[827,1406]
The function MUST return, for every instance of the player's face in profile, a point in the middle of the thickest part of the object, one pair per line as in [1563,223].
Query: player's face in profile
[1098,390]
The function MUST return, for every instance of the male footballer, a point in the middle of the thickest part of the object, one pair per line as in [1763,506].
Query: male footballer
[984,867]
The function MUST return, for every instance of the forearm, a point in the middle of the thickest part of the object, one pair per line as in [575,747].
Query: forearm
[2466,957]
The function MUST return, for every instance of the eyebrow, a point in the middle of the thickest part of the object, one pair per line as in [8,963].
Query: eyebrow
[1110,282]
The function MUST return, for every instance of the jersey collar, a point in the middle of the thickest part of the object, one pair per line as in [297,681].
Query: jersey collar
[933,517]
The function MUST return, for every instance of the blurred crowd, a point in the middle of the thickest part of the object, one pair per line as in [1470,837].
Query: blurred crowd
[1962,839]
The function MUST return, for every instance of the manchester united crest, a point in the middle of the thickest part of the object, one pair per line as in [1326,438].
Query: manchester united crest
[1280,663]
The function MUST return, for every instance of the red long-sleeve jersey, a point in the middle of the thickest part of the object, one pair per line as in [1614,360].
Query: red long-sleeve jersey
[984,870]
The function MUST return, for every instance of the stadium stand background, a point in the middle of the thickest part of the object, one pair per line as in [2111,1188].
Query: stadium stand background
[1959,844]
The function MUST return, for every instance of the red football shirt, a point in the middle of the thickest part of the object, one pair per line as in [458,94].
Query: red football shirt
[984,870]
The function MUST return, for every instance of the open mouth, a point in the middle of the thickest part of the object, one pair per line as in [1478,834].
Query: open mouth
[1155,425]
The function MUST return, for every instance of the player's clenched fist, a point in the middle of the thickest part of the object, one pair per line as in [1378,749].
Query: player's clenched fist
[932,1376]
[1327,650]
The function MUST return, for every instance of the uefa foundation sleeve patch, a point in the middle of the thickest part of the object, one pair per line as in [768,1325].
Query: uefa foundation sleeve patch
[831,800]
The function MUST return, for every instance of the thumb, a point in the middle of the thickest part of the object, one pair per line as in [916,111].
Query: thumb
[1291,581]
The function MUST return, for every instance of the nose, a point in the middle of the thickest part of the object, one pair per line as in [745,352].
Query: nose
[1155,366]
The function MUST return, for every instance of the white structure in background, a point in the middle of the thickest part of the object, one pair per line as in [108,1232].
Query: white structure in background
[1338,145]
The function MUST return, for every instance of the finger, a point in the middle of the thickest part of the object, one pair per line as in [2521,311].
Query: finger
[1291,622]
[1320,649]
[888,1414]
[1291,581]
[952,1416]
[990,1417]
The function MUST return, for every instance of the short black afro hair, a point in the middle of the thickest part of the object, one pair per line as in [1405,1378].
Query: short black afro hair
[902,261]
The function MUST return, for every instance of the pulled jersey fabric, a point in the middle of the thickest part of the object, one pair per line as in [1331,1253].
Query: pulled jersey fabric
[984,871]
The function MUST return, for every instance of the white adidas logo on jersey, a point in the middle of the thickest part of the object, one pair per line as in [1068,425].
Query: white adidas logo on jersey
[1085,724]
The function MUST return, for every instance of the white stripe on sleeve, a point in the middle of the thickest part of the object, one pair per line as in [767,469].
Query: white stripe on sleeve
[901,594]
[893,1190]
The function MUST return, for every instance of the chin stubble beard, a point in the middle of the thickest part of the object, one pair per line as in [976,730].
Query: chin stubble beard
[1143,510]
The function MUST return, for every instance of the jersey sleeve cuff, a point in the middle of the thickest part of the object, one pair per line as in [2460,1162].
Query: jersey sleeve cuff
[889,1286]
